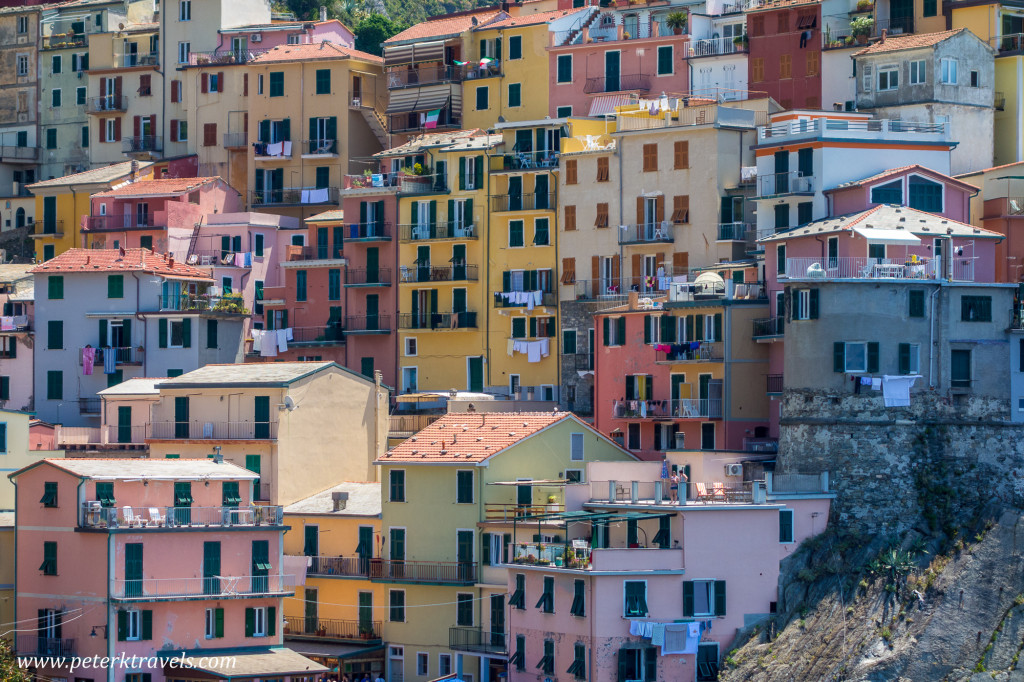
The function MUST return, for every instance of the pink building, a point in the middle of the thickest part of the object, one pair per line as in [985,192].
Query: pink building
[16,337]
[141,214]
[631,558]
[237,43]
[181,561]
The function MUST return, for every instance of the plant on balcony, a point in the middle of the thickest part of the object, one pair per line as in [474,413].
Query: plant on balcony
[740,41]
[861,28]
[864,5]
[231,303]
[677,22]
[366,632]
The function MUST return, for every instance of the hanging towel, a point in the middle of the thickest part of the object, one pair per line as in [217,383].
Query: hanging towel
[239,260]
[865,381]
[529,299]
[318,196]
[268,347]
[275,149]
[282,340]
[876,384]
[257,338]
[248,259]
[511,347]
[288,333]
[88,358]
[662,347]
[636,628]
[658,635]
[109,361]
[693,630]
[545,347]
[674,639]
[648,630]
[533,351]
[896,390]
[286,148]
[643,408]
[7,323]
[538,297]
[304,196]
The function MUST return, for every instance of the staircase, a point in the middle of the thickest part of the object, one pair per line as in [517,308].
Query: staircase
[192,242]
[575,32]
[378,124]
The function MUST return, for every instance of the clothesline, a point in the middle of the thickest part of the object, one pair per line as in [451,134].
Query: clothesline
[674,637]
[534,350]
[268,342]
[527,298]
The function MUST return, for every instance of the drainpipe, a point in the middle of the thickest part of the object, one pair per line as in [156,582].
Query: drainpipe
[931,337]
[160,70]
[142,319]
[487,273]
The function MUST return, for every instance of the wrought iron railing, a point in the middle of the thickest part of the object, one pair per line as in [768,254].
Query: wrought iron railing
[313,627]
[450,572]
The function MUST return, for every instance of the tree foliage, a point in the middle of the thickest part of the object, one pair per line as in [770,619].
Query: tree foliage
[9,670]
[374,30]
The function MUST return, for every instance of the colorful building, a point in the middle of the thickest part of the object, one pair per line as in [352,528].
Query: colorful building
[19,450]
[20,111]
[16,342]
[997,207]
[785,49]
[135,523]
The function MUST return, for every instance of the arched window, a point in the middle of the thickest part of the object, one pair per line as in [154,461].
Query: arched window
[19,218]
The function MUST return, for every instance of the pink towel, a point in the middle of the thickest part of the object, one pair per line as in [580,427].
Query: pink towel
[88,358]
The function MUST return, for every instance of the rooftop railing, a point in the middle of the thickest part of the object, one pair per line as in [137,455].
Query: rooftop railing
[849,129]
[294,196]
[239,56]
[438,321]
[958,269]
[215,430]
[95,515]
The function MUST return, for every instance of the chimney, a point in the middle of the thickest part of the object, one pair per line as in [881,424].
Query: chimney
[323,13]
[133,174]
[121,251]
[340,500]
[633,299]
[217,457]
[170,261]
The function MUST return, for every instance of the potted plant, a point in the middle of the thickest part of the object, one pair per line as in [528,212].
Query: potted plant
[861,28]
[740,41]
[864,5]
[366,632]
[570,558]
[677,22]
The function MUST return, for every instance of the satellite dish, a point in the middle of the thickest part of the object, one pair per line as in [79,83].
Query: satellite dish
[120,27]
[289,403]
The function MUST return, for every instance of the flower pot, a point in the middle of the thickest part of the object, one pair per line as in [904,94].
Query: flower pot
[862,39]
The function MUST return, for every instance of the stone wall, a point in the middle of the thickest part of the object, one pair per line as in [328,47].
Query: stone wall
[578,315]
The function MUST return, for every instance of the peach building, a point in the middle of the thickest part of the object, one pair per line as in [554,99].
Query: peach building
[182,563]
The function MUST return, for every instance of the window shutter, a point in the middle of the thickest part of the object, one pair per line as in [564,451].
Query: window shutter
[568,270]
[462,172]
[639,210]
[668,328]
[872,356]
[687,599]
[719,597]
[204,83]
[607,324]
[904,358]
[186,333]
[433,214]
[162,332]
[812,314]
[117,130]
[698,327]
[103,128]
[659,208]
[624,667]
[122,625]
[103,334]
[506,281]
[245,85]
[250,621]
[533,327]
[147,625]
[218,622]
[620,331]
[718,327]
[220,81]
[648,321]
[485,549]
[650,664]
[174,129]
[272,620]
[838,356]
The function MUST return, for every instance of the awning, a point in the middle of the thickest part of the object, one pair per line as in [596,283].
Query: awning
[426,98]
[397,55]
[880,236]
[605,104]
[402,101]
[327,650]
[236,666]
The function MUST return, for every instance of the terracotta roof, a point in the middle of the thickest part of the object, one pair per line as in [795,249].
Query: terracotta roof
[993,168]
[115,468]
[311,51]
[449,24]
[531,19]
[909,41]
[119,260]
[105,174]
[888,217]
[161,186]
[471,436]
[900,171]
[453,141]
[333,215]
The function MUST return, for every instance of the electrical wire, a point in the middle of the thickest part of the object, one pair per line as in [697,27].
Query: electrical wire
[36,618]
[38,629]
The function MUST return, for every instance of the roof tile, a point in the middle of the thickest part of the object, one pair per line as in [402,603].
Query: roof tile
[448,24]
[119,260]
[310,51]
[161,186]
[909,41]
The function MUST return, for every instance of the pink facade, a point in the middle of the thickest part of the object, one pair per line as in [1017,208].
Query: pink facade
[272,35]
[41,436]
[854,197]
[16,344]
[151,532]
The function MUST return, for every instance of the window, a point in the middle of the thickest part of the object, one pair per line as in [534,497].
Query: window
[931,8]
[259,84]
[515,96]
[422,663]
[602,167]
[80,94]
[785,525]
[179,131]
[110,130]
[51,138]
[214,623]
[464,487]
[563,112]
[115,286]
[410,347]
[464,609]
[396,606]
[518,657]
[976,308]
[22,67]
[183,50]
[889,193]
[918,71]
[578,669]
[49,498]
[546,603]
[49,565]
[516,237]
[55,385]
[519,328]
[650,157]
[518,598]
[785,66]
[547,663]
[579,602]
[948,70]
[916,297]
[261,621]
[300,285]
[813,63]
[323,81]
[680,210]
[55,98]
[184,10]
[570,172]
[564,68]
[179,334]
[569,222]
[397,480]
[576,447]
[56,64]
[855,356]
[805,304]
[277,83]
[888,77]
[681,154]
[975,79]
[703,598]
[515,47]
[635,599]
[614,331]
[665,65]
[959,368]
[482,96]
[334,284]
[909,355]
[54,335]
[22,25]
[541,233]
[925,195]
[444,664]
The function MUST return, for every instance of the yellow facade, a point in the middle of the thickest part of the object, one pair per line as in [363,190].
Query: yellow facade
[17,454]
[218,120]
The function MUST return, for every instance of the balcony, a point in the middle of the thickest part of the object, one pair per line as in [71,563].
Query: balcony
[18,324]
[774,384]
[121,222]
[523,202]
[294,196]
[221,587]
[624,83]
[368,324]
[366,277]
[647,233]
[552,554]
[780,184]
[330,335]
[679,408]
[528,160]
[438,273]
[770,445]
[236,140]
[13,153]
[215,257]
[230,304]
[402,182]
[958,269]
[431,572]
[142,145]
[107,103]
[122,356]
[90,406]
[219,430]
[605,290]
[522,299]
[437,321]
[314,149]
[505,513]
[338,567]
[1014,206]
[218,57]
[403,123]
[769,327]
[425,75]
[422,233]
[94,515]
[331,630]
[64,41]
[410,423]
[270,151]
[894,26]
[376,231]
[740,232]
[710,47]
[294,253]
[35,645]
[844,129]
[647,492]
[477,640]
[133,59]
[697,351]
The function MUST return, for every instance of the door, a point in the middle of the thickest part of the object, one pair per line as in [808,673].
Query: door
[261,409]
[465,541]
[260,566]
[680,394]
[611,71]
[704,388]
[515,193]
[960,368]
[311,544]
[459,262]
[183,503]
[498,620]
[781,174]
[181,417]
[322,247]
[133,569]
[311,618]
[252,463]
[833,253]
[524,494]
[365,550]
[372,313]
[357,89]
[396,664]
[901,16]
[49,215]
[422,263]
[540,191]
[365,608]
[142,215]
[124,424]
[476,374]
[372,265]
[211,568]
[524,141]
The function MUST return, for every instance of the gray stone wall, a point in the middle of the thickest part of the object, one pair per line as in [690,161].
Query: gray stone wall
[578,315]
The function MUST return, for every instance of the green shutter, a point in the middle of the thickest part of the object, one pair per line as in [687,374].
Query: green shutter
[668,328]
[533,327]
[126,332]
[838,356]
[872,357]
[55,287]
[620,331]
[271,621]
[122,625]
[479,172]
[286,129]
[264,136]
[115,286]
[250,621]
[162,332]
[813,312]
[211,333]
[607,330]
[462,174]
[650,664]
[647,328]
[719,597]
[103,333]
[917,303]
[904,358]
[186,333]
[698,327]
[147,625]
[718,327]
[688,599]
[785,525]
[433,215]
[485,549]
[218,622]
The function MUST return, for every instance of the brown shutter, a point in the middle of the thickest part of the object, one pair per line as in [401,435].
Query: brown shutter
[174,91]
[245,85]
[659,260]
[117,87]
[595,275]
[681,209]
[568,270]
[680,263]
[220,81]
[638,268]
[570,172]
[152,125]
[639,210]
[103,129]
[137,126]
[103,87]
[602,216]
[209,134]
[659,208]
[602,169]
[174,129]
[570,218]
[682,154]
[117,130]
[615,267]
[204,82]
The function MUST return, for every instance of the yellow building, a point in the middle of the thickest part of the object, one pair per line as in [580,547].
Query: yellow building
[442,233]
[61,203]
[450,495]
[312,108]
[335,617]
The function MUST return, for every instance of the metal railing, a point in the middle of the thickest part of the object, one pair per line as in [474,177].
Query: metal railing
[699,351]
[147,589]
[107,103]
[784,183]
[64,41]
[218,430]
[769,326]
[425,75]
[437,321]
[344,566]
[114,433]
[95,516]
[681,408]
[323,147]
[527,160]
[240,56]
[647,233]
[294,252]
[743,232]
[145,143]
[707,47]
[262,150]
[530,201]
[411,423]
[128,355]
[221,304]
[416,232]
[133,59]
[610,290]
[113,222]
[477,640]
[438,273]
[482,70]
[520,299]
[377,230]
[849,129]
[311,627]
[849,267]
[298,196]
[450,572]
[328,335]
[632,81]
[367,323]
[760,444]
[376,277]
[496,511]
[29,645]
[90,405]
[215,257]
[13,152]
[402,123]
[774,383]
[236,140]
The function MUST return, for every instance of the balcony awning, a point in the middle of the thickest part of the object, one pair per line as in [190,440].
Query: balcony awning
[605,104]
[277,662]
[426,98]
[398,55]
[329,650]
[880,236]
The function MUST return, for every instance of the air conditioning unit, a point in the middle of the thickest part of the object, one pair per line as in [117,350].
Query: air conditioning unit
[733,469]
[256,37]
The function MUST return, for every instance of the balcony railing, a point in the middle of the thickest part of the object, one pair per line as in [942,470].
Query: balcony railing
[330,335]
[409,184]
[281,149]
[368,277]
[145,143]
[12,152]
[848,267]
[367,324]
[35,645]
[236,140]
[216,256]
[893,26]
[425,75]
[743,232]
[122,356]
[445,572]
[544,201]
[338,566]
[417,232]
[438,273]
[496,511]
[411,423]
[527,160]
[680,408]
[376,231]
[698,351]
[600,289]
[90,405]
[149,589]
[707,47]
[203,302]
[329,629]
[769,326]
[633,81]
[404,123]
[774,383]
[96,516]
[323,147]
[120,222]
[760,444]
[105,103]
[437,321]
[133,59]
[216,57]
[520,299]
[294,196]
[294,252]
[792,182]
[871,129]
[64,41]
[553,554]
[477,640]
[647,233]
[219,430]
